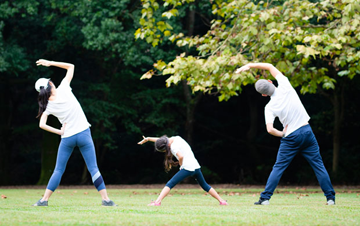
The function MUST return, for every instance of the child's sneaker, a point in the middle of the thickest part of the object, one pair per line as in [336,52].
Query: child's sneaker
[108,203]
[223,203]
[39,203]
[153,203]
[330,202]
[262,201]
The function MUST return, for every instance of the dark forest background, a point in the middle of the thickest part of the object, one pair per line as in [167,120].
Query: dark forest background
[228,138]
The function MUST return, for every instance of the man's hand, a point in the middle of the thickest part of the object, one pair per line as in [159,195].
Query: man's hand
[242,69]
[284,130]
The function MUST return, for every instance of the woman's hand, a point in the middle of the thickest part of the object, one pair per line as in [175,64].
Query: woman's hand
[62,130]
[144,140]
[43,62]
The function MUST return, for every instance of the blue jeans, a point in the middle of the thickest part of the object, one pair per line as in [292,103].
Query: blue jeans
[86,145]
[302,140]
[182,174]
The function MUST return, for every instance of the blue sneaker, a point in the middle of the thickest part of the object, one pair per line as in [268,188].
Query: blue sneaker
[41,203]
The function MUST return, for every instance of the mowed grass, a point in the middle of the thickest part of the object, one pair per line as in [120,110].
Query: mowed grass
[182,207]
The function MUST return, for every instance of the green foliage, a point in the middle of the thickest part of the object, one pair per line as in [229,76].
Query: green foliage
[291,35]
[98,37]
[152,27]
[12,56]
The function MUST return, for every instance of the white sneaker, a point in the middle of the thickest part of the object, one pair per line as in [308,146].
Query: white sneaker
[262,201]
[330,202]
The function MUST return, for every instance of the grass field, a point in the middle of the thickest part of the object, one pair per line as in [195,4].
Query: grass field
[182,207]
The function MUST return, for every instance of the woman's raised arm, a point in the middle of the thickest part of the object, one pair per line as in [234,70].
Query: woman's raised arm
[69,67]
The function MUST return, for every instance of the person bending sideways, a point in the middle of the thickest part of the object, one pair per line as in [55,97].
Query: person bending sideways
[75,130]
[297,135]
[189,166]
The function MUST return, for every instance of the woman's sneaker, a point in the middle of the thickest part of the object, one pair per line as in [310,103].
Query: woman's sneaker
[108,203]
[262,201]
[330,202]
[223,203]
[39,203]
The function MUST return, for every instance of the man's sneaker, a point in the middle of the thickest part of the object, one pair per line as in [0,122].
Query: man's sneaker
[262,201]
[39,203]
[108,203]
[330,202]
[153,203]
[223,203]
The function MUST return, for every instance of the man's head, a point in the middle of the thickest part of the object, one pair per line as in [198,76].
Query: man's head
[265,87]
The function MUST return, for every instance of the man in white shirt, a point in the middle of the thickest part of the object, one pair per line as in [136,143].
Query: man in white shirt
[297,136]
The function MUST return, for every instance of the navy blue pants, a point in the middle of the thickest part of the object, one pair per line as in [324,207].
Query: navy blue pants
[182,174]
[86,145]
[300,141]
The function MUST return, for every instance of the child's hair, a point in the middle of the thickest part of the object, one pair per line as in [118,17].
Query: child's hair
[162,145]
[43,99]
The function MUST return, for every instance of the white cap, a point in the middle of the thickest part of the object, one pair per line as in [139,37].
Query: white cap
[41,82]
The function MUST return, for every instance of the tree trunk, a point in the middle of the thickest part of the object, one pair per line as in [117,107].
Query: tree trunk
[338,103]
[5,153]
[191,100]
[191,104]
[336,135]
[5,135]
[190,22]
[49,149]
[85,175]
[252,99]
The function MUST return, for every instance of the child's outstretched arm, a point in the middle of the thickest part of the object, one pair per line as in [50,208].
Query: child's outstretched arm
[146,139]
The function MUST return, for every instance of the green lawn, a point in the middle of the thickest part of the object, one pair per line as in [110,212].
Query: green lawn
[182,207]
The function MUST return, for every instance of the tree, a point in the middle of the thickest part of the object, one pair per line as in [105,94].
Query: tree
[13,63]
[189,16]
[97,36]
[315,44]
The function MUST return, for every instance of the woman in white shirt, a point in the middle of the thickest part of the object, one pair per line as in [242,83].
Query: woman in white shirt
[189,166]
[75,130]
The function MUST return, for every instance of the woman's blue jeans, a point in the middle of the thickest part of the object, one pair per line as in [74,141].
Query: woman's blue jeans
[86,145]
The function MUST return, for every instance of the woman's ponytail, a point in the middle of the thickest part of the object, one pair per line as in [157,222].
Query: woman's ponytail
[162,145]
[43,99]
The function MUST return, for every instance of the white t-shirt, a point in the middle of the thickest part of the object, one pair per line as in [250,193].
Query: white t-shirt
[68,110]
[286,105]
[189,161]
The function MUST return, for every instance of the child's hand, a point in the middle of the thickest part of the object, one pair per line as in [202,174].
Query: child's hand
[144,140]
